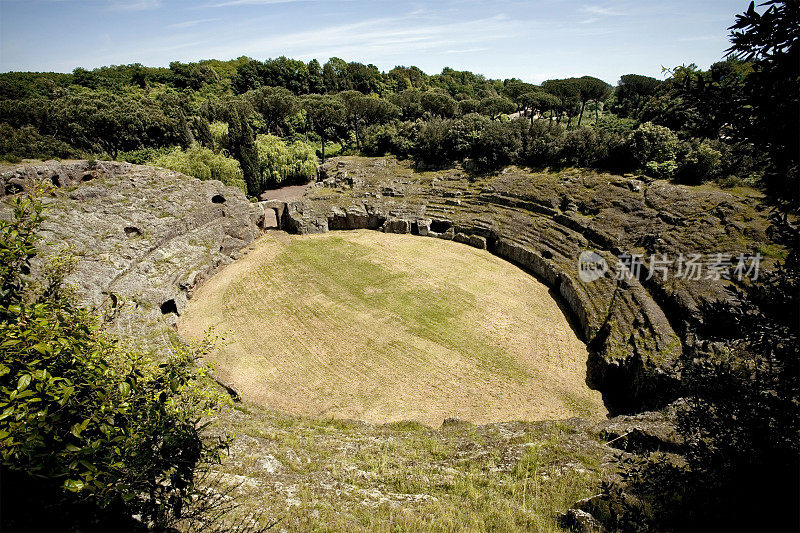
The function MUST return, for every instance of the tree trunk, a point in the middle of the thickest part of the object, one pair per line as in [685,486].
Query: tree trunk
[580,118]
[323,148]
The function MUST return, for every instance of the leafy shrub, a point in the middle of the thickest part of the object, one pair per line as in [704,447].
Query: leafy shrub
[143,156]
[614,124]
[203,164]
[109,428]
[656,149]
[498,144]
[541,143]
[701,164]
[664,170]
[650,142]
[219,136]
[583,147]
[434,146]
[26,142]
[282,163]
[395,138]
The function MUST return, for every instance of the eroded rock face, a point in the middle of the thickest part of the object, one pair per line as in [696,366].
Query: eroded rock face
[149,236]
[635,329]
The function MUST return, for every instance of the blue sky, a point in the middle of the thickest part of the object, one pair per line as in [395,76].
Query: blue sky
[533,40]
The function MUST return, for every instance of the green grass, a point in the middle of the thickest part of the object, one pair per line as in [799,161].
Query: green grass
[406,477]
[373,286]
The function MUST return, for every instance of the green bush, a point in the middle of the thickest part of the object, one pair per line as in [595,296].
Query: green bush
[203,164]
[434,143]
[583,147]
[26,142]
[281,163]
[664,170]
[541,143]
[395,138]
[219,136]
[143,156]
[109,428]
[701,164]
[656,148]
[497,145]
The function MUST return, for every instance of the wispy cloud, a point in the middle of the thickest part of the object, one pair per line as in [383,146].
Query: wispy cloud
[230,3]
[378,37]
[134,5]
[190,23]
[601,10]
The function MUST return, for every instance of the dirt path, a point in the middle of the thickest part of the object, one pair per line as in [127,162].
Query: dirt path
[286,194]
[382,327]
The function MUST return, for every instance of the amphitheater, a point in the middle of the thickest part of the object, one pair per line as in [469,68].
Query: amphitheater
[385,294]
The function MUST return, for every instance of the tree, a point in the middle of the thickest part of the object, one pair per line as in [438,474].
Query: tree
[275,105]
[771,40]
[242,142]
[192,75]
[324,114]
[568,93]
[362,111]
[438,104]
[539,102]
[281,163]
[633,90]
[334,75]
[592,89]
[290,74]
[496,106]
[364,78]
[514,90]
[409,102]
[316,83]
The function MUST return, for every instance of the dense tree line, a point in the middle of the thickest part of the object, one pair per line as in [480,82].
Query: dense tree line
[687,127]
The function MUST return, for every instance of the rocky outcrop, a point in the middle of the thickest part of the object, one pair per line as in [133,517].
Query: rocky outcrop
[636,328]
[148,236]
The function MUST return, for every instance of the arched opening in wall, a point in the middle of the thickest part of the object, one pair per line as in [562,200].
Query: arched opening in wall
[218,199]
[168,307]
[435,329]
[440,226]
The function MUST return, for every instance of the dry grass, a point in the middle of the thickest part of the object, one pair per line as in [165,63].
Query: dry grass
[382,328]
[333,475]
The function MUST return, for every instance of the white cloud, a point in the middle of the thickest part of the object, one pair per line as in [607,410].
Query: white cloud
[394,37]
[190,23]
[230,3]
[134,5]
[601,10]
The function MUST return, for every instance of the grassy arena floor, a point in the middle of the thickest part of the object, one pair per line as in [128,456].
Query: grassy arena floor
[382,327]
